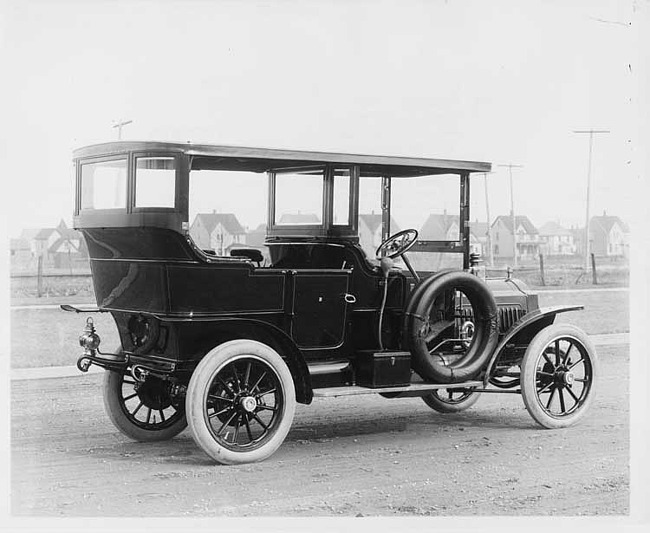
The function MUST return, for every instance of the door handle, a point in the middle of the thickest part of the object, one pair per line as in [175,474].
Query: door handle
[350,298]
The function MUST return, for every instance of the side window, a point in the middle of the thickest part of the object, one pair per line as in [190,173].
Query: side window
[155,181]
[341,207]
[227,209]
[299,198]
[370,215]
[103,184]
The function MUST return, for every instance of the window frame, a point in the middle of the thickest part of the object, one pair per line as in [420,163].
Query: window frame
[133,183]
[327,226]
[130,207]
[79,186]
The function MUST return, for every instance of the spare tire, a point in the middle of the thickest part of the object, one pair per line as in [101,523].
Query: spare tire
[435,292]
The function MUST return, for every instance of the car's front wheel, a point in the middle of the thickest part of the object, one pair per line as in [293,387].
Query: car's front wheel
[240,402]
[557,376]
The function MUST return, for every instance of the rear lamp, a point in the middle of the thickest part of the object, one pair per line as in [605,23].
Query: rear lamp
[89,340]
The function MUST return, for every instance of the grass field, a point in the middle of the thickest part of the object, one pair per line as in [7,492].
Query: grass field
[49,337]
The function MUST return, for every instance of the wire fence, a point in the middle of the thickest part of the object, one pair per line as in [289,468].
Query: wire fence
[553,271]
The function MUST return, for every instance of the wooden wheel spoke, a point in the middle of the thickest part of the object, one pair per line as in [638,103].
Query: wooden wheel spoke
[137,409]
[220,398]
[248,428]
[260,422]
[223,426]
[566,355]
[130,396]
[577,362]
[260,394]
[568,389]
[545,388]
[236,376]
[547,359]
[550,399]
[162,415]
[217,413]
[247,374]
[562,406]
[259,380]
[268,407]
[226,385]
[235,437]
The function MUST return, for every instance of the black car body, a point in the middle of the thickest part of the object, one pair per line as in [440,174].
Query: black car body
[341,320]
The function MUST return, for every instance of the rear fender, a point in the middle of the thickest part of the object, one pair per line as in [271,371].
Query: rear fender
[226,329]
[528,324]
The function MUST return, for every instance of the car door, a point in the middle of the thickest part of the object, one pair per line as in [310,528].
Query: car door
[320,302]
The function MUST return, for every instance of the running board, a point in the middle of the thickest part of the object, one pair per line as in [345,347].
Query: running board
[417,389]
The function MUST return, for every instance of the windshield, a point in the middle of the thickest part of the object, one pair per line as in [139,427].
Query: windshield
[431,205]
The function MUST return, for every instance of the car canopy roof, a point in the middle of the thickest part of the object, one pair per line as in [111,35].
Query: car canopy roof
[223,157]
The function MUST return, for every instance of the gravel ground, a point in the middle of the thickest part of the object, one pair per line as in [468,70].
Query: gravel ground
[352,457]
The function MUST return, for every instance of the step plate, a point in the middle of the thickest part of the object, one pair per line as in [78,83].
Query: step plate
[354,390]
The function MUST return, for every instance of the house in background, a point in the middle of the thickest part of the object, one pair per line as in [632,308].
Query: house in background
[68,247]
[370,232]
[217,231]
[478,238]
[255,239]
[556,240]
[20,253]
[299,219]
[59,247]
[528,239]
[440,227]
[445,227]
[608,236]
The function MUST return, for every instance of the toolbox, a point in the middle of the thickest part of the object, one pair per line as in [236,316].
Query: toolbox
[383,369]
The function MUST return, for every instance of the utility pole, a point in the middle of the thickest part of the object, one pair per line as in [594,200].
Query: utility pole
[119,125]
[591,142]
[489,221]
[512,212]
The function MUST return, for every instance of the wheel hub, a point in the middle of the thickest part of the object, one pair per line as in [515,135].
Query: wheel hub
[567,378]
[248,403]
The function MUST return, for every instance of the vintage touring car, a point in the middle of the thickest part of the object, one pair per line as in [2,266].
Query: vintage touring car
[226,336]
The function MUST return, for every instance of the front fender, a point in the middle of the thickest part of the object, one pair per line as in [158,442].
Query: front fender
[535,320]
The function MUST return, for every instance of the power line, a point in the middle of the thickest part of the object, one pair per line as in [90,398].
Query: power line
[510,166]
[591,142]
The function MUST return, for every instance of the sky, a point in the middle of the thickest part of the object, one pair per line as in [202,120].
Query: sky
[505,82]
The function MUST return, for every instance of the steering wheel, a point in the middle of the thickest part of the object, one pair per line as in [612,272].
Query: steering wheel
[397,244]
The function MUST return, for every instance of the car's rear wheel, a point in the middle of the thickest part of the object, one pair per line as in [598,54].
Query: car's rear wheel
[451,400]
[144,411]
[240,402]
[557,376]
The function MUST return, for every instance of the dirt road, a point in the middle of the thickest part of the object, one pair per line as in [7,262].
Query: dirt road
[354,456]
